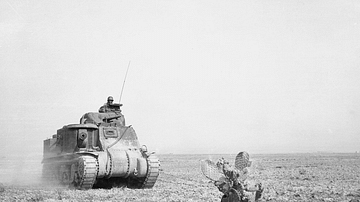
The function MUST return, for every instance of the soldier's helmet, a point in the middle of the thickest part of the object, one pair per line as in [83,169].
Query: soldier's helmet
[110,98]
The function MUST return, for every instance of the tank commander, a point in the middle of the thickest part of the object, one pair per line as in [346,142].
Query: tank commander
[109,106]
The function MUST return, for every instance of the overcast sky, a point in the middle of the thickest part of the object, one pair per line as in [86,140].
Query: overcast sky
[205,76]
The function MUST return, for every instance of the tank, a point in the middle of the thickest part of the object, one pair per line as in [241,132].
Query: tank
[99,152]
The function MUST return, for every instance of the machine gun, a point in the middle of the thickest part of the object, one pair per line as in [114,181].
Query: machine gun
[231,180]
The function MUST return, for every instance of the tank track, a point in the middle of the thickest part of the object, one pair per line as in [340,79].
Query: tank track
[82,171]
[153,172]
[78,173]
[86,172]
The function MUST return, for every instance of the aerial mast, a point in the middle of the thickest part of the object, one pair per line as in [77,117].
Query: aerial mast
[124,81]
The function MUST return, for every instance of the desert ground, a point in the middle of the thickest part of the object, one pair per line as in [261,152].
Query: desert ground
[286,177]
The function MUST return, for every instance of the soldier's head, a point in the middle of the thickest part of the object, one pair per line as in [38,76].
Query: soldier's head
[110,100]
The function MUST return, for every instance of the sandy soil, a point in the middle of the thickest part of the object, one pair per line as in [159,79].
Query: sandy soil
[286,177]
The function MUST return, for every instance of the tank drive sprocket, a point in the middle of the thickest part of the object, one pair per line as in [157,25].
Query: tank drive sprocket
[153,172]
[84,172]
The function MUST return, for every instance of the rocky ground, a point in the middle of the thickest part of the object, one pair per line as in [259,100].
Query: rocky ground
[286,177]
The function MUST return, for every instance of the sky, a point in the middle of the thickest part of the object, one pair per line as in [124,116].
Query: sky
[204,76]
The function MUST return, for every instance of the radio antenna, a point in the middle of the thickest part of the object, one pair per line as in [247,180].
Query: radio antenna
[124,82]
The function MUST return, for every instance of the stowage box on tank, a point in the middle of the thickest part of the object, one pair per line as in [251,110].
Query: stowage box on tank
[99,152]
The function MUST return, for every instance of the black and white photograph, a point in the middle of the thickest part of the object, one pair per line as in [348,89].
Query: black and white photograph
[180,101]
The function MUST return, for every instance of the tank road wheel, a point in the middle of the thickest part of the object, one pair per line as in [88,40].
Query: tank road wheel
[84,173]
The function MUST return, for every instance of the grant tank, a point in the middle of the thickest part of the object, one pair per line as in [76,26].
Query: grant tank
[99,152]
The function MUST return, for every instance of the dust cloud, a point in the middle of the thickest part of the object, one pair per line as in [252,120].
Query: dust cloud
[20,168]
